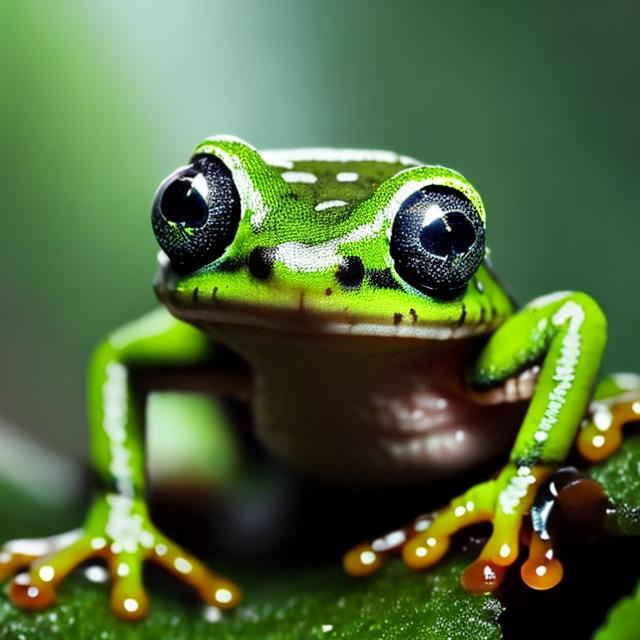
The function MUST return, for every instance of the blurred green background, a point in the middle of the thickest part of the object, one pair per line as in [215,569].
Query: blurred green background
[537,103]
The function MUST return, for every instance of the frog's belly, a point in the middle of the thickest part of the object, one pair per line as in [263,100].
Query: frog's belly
[373,411]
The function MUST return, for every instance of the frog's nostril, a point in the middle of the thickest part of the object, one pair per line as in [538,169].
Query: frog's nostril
[185,201]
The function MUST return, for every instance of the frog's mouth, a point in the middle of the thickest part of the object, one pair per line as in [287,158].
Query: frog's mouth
[311,321]
[304,312]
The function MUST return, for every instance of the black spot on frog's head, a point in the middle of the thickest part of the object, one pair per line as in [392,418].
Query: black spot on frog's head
[350,273]
[260,263]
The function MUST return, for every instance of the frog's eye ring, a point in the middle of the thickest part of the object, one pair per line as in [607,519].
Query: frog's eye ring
[437,241]
[195,213]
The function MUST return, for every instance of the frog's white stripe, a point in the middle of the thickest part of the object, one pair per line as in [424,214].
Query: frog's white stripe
[250,197]
[564,374]
[124,526]
[299,176]
[347,176]
[516,489]
[115,399]
[327,204]
[326,154]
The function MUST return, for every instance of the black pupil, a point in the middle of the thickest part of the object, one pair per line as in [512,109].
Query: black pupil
[183,203]
[448,236]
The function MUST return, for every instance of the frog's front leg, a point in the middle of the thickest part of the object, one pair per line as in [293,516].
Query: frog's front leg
[118,528]
[565,333]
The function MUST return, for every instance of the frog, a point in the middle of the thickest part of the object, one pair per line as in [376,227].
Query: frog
[378,348]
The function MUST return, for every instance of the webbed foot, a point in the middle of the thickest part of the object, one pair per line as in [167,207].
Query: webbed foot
[118,531]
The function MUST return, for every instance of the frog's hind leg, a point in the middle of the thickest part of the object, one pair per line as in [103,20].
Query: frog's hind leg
[616,403]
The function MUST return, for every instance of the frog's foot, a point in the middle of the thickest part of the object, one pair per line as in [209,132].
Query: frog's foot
[118,532]
[601,433]
[20,554]
[616,403]
[503,502]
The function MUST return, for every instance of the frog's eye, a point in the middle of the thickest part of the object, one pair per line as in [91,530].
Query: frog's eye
[196,212]
[437,241]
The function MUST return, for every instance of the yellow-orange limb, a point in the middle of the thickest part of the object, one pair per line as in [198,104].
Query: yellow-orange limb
[49,564]
[517,490]
[11,563]
[602,434]
[129,599]
[36,588]
[426,539]
[504,502]
[368,557]
[213,589]
[472,507]
[542,570]
[20,554]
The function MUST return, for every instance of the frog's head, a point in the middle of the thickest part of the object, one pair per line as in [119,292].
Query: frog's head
[323,240]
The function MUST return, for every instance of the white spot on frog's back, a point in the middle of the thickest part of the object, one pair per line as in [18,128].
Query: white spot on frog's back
[328,204]
[347,176]
[299,176]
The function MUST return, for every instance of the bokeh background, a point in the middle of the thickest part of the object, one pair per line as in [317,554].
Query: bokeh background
[536,102]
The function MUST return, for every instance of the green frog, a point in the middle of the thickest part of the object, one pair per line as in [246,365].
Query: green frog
[379,348]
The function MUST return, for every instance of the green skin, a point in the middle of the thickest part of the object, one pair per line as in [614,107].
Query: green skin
[302,302]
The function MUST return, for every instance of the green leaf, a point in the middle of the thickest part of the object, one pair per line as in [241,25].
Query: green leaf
[311,604]
[620,477]
[623,621]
